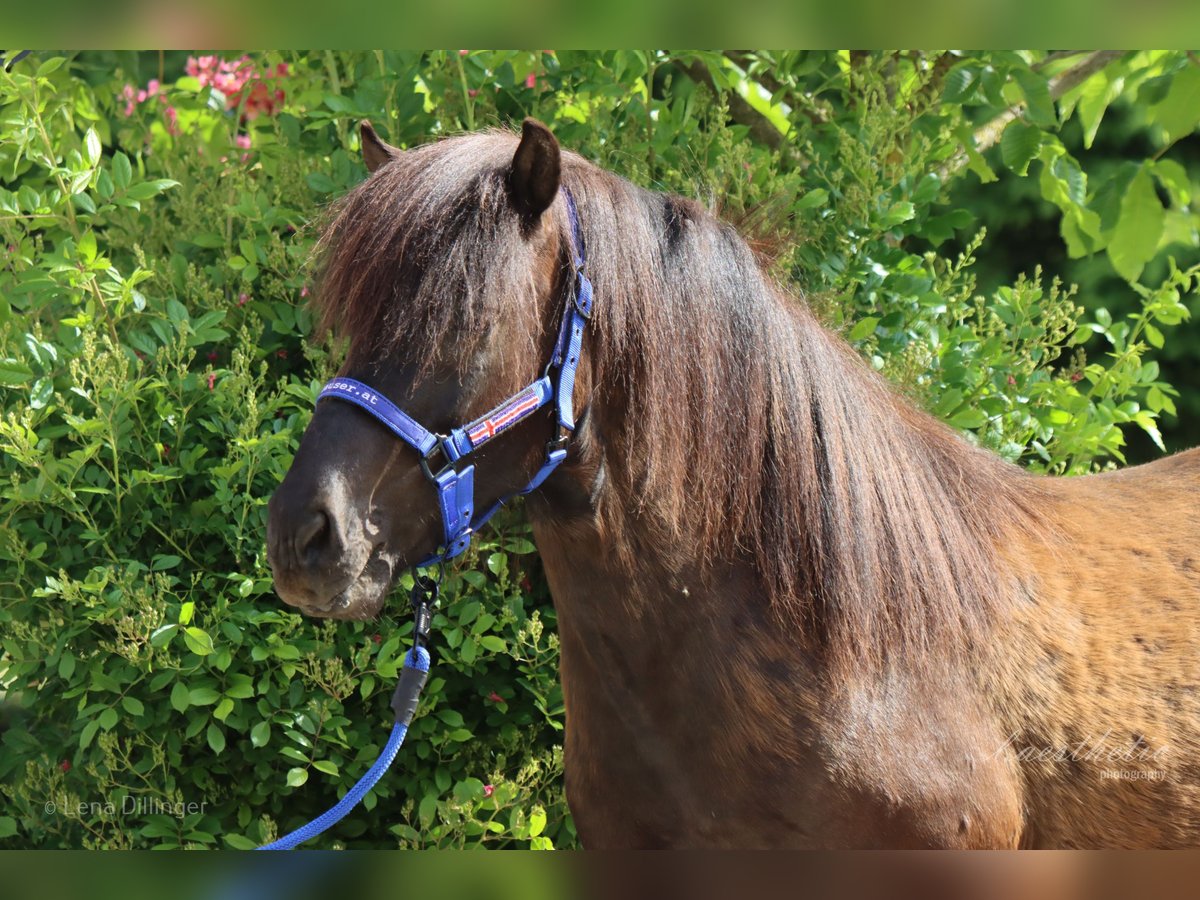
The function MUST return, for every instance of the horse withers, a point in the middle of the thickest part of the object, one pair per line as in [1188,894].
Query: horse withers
[794,610]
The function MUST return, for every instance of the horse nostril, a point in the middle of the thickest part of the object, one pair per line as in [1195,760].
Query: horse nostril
[312,532]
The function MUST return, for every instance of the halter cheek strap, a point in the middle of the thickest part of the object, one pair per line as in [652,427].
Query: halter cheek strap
[456,486]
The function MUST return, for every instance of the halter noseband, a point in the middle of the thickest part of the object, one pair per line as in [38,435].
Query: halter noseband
[456,487]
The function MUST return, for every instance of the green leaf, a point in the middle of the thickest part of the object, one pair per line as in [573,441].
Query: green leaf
[239,842]
[50,65]
[109,718]
[87,246]
[813,199]
[863,328]
[1138,229]
[260,734]
[327,766]
[84,202]
[92,147]
[493,643]
[224,708]
[216,737]
[1175,180]
[320,182]
[133,706]
[468,789]
[162,562]
[969,418]
[1038,105]
[122,170]
[897,214]
[89,732]
[297,776]
[1019,145]
[960,83]
[8,826]
[537,821]
[14,372]
[1097,93]
[198,641]
[203,696]
[1180,109]
[427,809]
[66,665]
[147,189]
[180,696]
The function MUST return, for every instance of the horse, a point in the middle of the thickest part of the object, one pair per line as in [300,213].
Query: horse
[795,610]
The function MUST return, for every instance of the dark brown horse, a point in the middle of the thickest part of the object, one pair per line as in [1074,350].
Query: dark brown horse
[794,610]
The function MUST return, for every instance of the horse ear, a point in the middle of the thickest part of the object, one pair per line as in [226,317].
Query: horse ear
[374,150]
[536,168]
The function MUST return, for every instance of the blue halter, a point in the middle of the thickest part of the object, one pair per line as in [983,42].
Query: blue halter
[456,487]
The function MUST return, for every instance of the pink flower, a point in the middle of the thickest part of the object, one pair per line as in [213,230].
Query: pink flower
[212,355]
[65,765]
[1012,382]
[463,52]
[472,92]
[495,698]
[282,354]
[304,291]
[531,80]
[243,141]
[488,790]
[212,380]
[242,298]
[172,120]
[240,79]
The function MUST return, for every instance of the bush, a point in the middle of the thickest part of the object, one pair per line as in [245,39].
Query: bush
[158,368]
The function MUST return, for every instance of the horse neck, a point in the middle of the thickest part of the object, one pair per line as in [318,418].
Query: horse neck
[794,473]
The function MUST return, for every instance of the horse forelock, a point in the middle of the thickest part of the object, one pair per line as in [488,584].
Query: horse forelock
[734,426]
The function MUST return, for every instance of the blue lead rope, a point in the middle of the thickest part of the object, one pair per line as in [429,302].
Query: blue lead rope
[404,703]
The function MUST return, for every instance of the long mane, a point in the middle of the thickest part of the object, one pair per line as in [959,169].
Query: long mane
[735,427]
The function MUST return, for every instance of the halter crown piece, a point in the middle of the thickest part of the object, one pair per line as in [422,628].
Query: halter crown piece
[456,486]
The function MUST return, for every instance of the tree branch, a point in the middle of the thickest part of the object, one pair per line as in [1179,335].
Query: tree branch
[761,128]
[987,135]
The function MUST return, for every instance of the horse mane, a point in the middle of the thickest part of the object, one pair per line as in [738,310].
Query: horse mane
[735,427]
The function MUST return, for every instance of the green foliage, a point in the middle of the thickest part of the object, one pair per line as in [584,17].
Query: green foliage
[157,368]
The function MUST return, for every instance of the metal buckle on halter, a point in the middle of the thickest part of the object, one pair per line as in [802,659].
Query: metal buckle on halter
[580,277]
[559,443]
[425,460]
